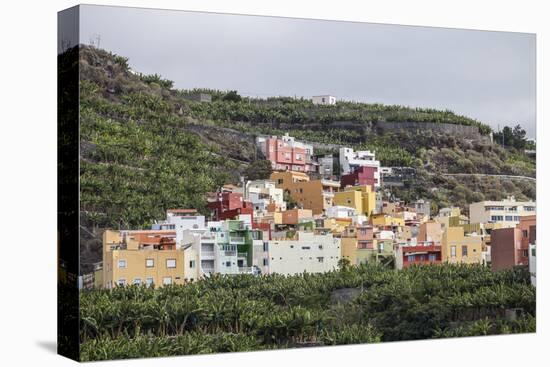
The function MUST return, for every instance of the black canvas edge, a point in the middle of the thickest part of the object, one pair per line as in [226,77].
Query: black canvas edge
[68,205]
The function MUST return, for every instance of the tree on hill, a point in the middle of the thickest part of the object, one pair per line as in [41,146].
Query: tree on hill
[258,170]
[232,96]
[511,137]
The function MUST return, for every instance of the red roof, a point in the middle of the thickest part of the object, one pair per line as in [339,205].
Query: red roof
[181,210]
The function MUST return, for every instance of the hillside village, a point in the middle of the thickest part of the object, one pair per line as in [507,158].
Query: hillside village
[314,214]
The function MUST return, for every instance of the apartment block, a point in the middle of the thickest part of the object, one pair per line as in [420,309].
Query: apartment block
[309,252]
[510,246]
[226,247]
[141,257]
[287,154]
[508,211]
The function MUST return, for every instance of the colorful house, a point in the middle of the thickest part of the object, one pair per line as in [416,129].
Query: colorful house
[364,175]
[287,154]
[458,248]
[316,195]
[422,253]
[361,198]
[141,257]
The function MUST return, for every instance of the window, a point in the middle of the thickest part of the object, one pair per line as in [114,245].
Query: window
[464,250]
[170,263]
[192,264]
[496,218]
[149,281]
[509,218]
[453,251]
[121,282]
[137,281]
[422,258]
[306,247]
[431,257]
[228,263]
[266,246]
[321,259]
[167,280]
[266,261]
[525,233]
[525,253]
[149,263]
[410,258]
[122,264]
[320,247]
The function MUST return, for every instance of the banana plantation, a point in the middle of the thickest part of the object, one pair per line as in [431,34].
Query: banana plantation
[246,313]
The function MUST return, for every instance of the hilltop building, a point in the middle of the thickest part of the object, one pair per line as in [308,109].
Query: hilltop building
[324,100]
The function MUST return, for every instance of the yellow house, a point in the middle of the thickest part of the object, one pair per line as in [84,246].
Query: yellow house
[361,198]
[458,248]
[336,225]
[451,217]
[316,195]
[385,220]
[348,244]
[142,257]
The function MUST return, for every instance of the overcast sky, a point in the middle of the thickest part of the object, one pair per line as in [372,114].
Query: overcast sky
[489,76]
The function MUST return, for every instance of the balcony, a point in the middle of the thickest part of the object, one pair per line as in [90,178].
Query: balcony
[207,254]
[236,240]
[246,270]
[242,254]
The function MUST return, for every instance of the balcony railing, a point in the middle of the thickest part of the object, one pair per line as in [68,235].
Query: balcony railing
[239,240]
[207,253]
[242,254]
[246,270]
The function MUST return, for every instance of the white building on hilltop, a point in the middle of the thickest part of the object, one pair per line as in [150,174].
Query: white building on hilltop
[312,253]
[324,100]
[351,160]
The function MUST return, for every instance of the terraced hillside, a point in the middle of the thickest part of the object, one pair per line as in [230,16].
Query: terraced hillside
[146,146]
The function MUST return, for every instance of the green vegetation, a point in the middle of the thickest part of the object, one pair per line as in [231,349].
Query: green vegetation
[512,137]
[258,170]
[243,313]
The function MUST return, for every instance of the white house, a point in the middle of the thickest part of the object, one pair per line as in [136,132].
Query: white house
[312,253]
[339,211]
[351,160]
[324,100]
[262,194]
